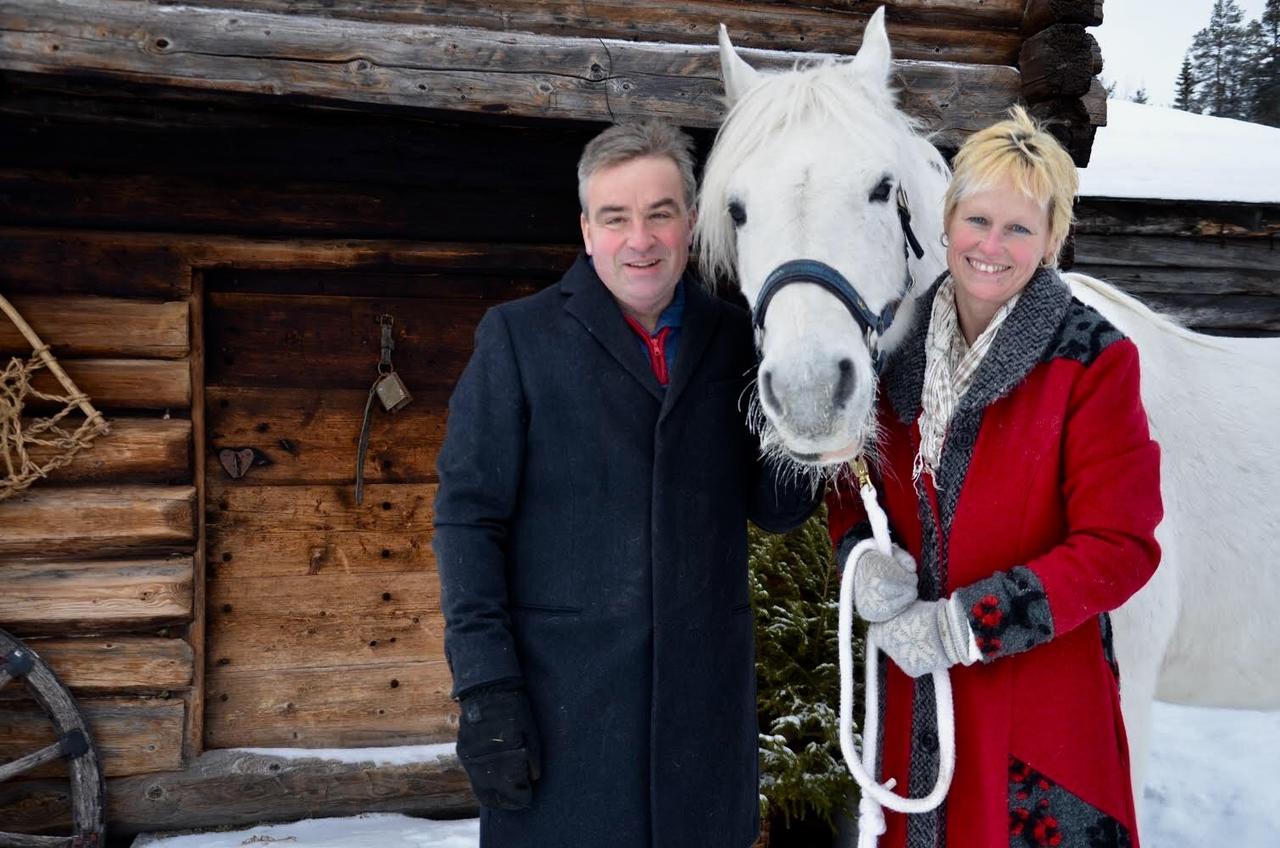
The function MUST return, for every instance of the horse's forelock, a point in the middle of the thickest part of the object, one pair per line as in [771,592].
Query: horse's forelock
[826,91]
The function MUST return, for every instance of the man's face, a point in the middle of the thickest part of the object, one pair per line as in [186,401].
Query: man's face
[636,230]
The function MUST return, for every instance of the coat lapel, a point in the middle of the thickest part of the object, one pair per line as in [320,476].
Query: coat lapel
[594,307]
[701,318]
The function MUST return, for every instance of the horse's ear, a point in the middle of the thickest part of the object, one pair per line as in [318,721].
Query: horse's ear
[739,77]
[873,61]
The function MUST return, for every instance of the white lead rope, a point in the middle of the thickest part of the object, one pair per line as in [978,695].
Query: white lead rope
[875,795]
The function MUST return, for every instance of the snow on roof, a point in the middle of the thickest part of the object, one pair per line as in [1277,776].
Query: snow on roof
[384,756]
[1153,152]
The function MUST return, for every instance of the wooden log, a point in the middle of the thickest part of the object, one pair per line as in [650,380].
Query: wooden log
[1073,122]
[332,342]
[944,32]
[1141,217]
[1223,314]
[125,384]
[137,450]
[309,436]
[405,703]
[57,522]
[99,665]
[295,531]
[1171,252]
[89,263]
[1041,14]
[1058,62]
[313,208]
[94,597]
[231,788]
[1143,280]
[452,68]
[132,735]
[101,326]
[322,621]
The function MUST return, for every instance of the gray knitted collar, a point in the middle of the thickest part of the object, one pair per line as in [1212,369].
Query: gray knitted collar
[1019,344]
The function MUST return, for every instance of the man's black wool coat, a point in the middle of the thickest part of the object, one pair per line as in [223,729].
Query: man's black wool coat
[591,540]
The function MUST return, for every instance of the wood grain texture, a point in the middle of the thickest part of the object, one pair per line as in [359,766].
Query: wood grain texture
[132,735]
[309,437]
[1162,251]
[90,263]
[404,703]
[137,450]
[75,326]
[97,596]
[451,68]
[230,788]
[47,521]
[96,665]
[295,531]
[125,384]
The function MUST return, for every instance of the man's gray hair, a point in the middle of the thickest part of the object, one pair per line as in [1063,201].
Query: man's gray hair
[624,142]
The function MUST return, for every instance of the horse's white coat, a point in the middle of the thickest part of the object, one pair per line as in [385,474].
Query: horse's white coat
[801,151]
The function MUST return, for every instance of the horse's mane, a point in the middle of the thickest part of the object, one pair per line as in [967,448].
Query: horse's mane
[817,92]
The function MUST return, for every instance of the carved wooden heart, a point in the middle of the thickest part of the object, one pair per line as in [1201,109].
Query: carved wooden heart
[236,462]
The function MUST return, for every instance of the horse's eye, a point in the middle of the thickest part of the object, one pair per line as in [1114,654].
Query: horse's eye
[880,193]
[737,212]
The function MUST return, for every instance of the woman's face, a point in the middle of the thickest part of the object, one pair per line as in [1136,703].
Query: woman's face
[997,238]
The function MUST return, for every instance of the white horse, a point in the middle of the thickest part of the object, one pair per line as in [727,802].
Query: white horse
[807,166]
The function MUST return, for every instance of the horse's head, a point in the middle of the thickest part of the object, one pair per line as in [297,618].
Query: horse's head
[802,201]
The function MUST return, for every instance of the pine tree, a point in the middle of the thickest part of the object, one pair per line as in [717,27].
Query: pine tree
[1265,108]
[1140,96]
[1186,97]
[1218,55]
[796,593]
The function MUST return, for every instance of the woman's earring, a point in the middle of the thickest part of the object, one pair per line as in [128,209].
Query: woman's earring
[946,242]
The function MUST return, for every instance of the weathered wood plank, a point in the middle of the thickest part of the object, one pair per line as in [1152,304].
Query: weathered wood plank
[453,68]
[1144,280]
[310,436]
[404,703]
[56,522]
[1119,216]
[98,665]
[943,32]
[322,621]
[224,788]
[132,735]
[1041,14]
[1060,61]
[35,262]
[294,531]
[92,597]
[137,450]
[332,342]
[282,206]
[1230,314]
[100,326]
[133,384]
[1173,252]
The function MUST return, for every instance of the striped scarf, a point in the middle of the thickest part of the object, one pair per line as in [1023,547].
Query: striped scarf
[950,364]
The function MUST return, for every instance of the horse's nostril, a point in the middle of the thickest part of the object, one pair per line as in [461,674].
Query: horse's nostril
[844,385]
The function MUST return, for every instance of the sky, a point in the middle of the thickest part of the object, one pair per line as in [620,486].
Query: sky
[1143,41]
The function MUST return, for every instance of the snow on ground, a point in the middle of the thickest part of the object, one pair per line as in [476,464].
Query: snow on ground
[388,756]
[1211,781]
[373,830]
[1150,151]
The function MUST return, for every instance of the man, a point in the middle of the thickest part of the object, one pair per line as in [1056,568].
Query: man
[590,532]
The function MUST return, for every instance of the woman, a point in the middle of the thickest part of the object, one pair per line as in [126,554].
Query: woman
[1017,471]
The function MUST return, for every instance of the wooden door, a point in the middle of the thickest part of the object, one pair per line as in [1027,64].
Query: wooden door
[323,616]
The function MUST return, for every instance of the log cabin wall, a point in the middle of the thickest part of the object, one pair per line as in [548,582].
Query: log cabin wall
[1213,266]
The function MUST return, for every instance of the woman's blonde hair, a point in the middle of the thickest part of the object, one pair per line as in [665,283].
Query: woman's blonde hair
[1020,150]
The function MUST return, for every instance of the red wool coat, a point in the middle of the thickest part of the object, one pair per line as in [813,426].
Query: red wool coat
[1043,520]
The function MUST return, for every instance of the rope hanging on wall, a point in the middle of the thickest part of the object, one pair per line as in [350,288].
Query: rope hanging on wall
[54,438]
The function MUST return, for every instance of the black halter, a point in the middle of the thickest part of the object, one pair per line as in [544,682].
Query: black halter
[822,274]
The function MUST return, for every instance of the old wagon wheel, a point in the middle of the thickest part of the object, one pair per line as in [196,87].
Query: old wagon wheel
[17,661]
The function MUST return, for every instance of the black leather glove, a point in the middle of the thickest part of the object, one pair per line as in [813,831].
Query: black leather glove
[498,745]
